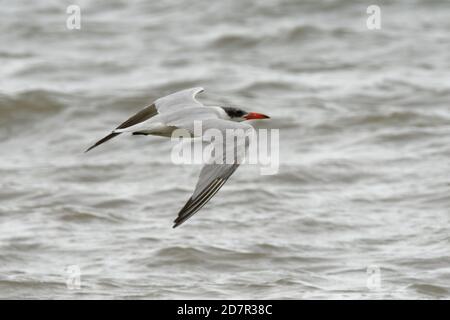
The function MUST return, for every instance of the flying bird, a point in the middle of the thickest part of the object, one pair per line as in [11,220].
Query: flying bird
[180,110]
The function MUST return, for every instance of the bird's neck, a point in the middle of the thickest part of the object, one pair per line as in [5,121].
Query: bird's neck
[222,114]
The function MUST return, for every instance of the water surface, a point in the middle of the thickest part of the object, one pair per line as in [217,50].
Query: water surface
[364,123]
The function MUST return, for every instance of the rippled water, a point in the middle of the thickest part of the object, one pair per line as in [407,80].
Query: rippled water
[364,120]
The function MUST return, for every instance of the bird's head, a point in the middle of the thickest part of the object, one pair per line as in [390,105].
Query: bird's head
[238,115]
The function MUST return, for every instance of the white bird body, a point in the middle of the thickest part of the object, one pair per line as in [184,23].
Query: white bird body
[181,110]
[165,123]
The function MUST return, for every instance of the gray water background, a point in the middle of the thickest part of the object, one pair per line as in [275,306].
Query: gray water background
[364,121]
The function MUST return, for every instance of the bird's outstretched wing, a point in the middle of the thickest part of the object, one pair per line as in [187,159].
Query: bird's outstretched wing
[139,117]
[179,100]
[214,175]
[173,102]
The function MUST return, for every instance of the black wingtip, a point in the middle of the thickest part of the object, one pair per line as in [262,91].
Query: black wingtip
[103,140]
[88,149]
[177,222]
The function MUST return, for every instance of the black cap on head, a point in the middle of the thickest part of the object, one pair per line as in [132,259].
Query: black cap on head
[234,112]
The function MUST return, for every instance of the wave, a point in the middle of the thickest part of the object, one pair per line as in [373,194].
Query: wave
[281,36]
[430,290]
[72,214]
[234,41]
[28,106]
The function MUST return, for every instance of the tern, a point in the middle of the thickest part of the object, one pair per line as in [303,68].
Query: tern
[180,110]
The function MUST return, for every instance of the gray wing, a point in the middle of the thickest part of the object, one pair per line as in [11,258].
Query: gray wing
[173,102]
[139,117]
[213,176]
[179,100]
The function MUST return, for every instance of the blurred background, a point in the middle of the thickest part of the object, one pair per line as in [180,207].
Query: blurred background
[359,208]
